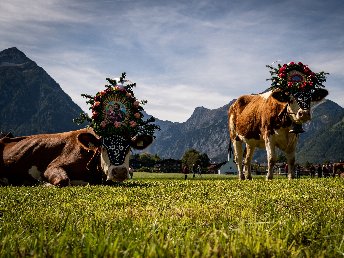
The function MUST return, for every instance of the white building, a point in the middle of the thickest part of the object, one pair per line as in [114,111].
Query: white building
[230,167]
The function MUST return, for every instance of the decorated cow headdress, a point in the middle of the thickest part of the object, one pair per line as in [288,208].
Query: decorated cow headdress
[298,80]
[117,116]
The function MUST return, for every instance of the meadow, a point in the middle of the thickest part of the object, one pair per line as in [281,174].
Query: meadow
[163,215]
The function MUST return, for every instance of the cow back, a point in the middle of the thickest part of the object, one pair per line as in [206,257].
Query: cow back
[253,116]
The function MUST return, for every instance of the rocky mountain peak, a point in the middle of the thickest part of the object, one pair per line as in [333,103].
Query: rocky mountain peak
[13,56]
[203,117]
[31,101]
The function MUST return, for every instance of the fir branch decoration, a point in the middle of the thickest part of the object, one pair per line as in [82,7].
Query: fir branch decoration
[115,110]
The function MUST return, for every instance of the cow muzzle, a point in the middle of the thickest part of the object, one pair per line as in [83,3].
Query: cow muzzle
[117,173]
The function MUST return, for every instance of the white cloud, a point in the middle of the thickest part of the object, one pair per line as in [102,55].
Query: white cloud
[181,54]
[21,11]
[178,100]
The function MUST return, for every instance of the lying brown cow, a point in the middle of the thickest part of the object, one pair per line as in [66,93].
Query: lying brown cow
[268,120]
[69,158]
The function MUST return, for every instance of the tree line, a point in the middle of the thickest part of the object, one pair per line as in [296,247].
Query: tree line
[149,162]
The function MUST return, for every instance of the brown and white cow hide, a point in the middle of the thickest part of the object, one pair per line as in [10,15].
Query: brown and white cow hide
[69,158]
[259,121]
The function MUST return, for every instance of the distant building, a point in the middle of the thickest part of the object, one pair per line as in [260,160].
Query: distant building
[214,168]
[229,167]
[169,166]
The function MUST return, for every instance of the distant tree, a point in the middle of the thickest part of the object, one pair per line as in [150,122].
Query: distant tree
[193,157]
[281,158]
[204,160]
[144,160]
[134,161]
[308,164]
[190,157]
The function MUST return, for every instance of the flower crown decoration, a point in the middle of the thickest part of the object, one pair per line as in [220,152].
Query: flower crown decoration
[115,110]
[295,77]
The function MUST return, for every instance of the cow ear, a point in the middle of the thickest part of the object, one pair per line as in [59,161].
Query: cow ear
[88,140]
[281,96]
[140,142]
[319,94]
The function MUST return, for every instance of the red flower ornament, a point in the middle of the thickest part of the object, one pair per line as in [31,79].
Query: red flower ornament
[117,124]
[116,111]
[295,77]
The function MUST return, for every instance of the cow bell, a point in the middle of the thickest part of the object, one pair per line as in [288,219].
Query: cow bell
[296,128]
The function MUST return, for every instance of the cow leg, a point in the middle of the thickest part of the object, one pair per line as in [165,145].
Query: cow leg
[56,176]
[291,164]
[271,155]
[238,154]
[248,159]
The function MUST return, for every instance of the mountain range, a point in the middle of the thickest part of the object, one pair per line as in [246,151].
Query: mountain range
[31,102]
[207,131]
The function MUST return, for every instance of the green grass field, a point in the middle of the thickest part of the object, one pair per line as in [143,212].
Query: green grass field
[163,215]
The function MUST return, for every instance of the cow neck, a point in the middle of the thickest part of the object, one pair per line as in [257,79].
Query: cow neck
[117,148]
[93,160]
[96,175]
[283,116]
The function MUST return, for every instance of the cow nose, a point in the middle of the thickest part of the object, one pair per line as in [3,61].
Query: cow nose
[118,174]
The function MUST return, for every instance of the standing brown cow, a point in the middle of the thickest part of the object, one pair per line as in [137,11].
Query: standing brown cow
[269,120]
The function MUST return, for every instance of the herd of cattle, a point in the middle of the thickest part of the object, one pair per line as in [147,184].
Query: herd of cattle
[269,120]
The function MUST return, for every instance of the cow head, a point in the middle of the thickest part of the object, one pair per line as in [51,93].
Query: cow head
[115,152]
[299,103]
[119,120]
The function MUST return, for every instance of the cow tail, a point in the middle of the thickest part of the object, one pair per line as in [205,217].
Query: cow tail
[230,150]
[231,124]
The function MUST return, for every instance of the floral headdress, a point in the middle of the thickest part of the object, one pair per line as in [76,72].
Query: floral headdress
[116,111]
[295,77]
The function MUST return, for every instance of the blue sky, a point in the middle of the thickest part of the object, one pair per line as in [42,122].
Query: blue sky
[182,54]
